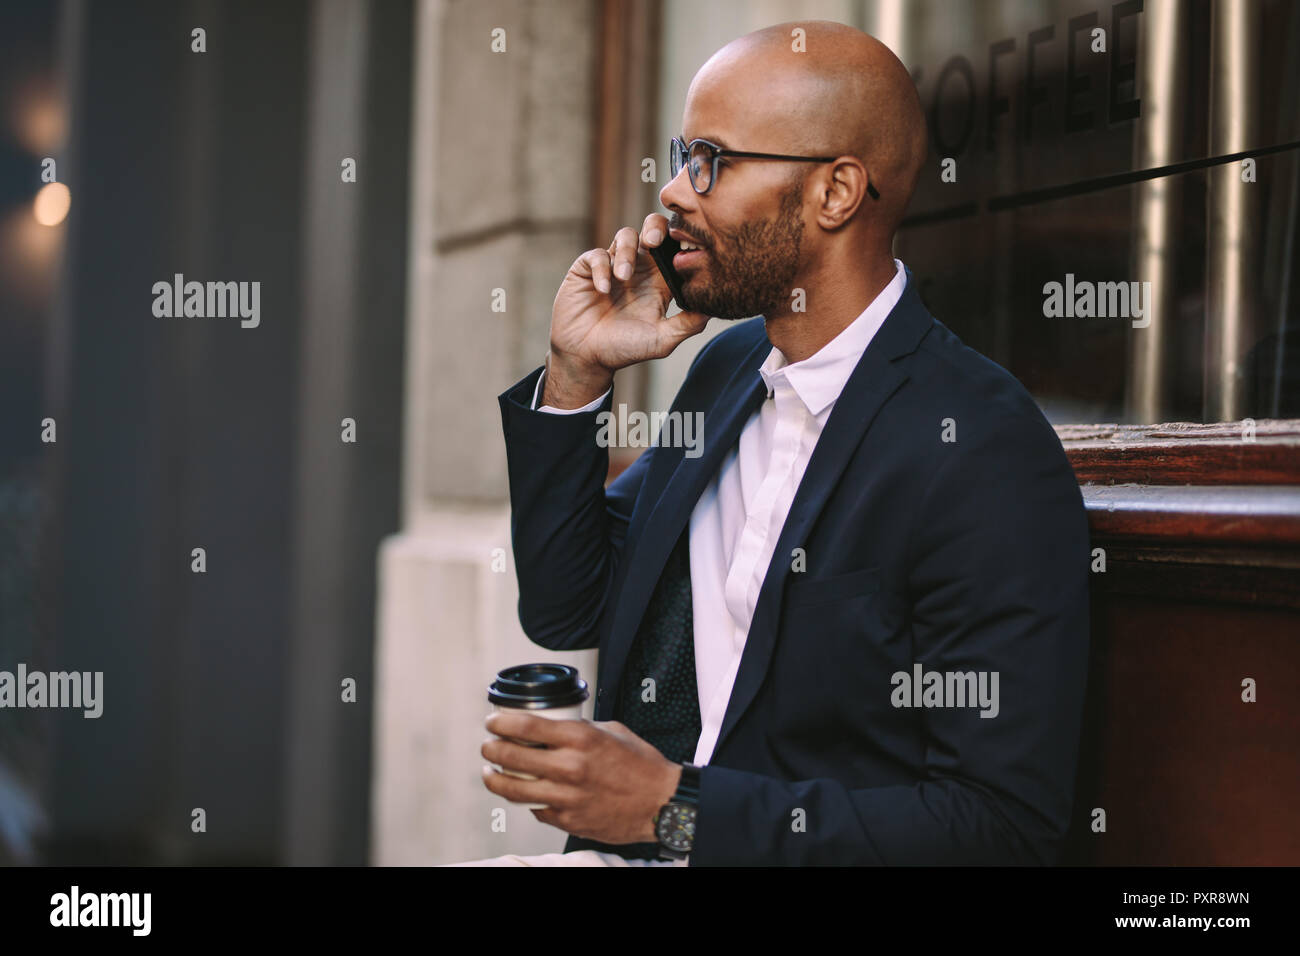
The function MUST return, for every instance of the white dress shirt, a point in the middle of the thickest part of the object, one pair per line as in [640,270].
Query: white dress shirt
[737,520]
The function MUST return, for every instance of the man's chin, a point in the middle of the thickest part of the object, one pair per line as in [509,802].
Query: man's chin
[698,300]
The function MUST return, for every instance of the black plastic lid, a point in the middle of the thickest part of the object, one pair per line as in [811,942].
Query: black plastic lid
[538,687]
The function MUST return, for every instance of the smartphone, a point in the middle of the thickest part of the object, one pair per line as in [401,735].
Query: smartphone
[663,257]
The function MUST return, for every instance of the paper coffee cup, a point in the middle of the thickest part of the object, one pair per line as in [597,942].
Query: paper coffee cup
[553,691]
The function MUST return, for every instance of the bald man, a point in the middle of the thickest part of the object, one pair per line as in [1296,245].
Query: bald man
[852,628]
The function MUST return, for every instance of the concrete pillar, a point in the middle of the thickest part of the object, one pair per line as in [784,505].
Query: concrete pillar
[349,350]
[501,164]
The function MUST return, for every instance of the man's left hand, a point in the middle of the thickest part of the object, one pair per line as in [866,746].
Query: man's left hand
[599,780]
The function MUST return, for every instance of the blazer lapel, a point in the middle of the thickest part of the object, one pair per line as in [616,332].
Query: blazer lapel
[873,381]
[722,426]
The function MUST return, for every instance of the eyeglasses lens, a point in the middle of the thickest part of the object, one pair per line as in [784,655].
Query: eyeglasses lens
[699,163]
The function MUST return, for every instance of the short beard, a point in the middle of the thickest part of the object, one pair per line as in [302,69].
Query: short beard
[757,276]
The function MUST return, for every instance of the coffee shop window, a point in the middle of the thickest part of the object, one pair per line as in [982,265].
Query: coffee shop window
[1119,230]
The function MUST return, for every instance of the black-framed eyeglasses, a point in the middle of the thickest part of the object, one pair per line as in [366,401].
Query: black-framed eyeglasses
[700,157]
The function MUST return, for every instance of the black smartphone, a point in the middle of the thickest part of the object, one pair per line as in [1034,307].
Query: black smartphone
[663,257]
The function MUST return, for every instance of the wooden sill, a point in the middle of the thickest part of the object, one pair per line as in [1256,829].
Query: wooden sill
[1181,483]
[1193,512]
[1177,481]
[1183,453]
[1244,515]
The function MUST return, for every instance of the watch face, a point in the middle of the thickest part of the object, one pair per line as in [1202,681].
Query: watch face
[676,829]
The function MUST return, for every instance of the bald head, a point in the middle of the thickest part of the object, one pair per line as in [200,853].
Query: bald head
[832,91]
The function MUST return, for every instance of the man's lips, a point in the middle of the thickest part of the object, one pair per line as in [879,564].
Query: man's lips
[687,257]
[684,260]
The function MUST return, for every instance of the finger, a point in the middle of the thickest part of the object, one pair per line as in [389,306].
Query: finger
[543,730]
[625,246]
[538,761]
[596,263]
[558,765]
[685,324]
[527,791]
[654,230]
[490,751]
[554,818]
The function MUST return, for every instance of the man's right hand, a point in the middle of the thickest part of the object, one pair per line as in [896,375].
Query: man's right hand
[608,314]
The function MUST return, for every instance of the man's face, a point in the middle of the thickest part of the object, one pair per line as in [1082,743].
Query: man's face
[750,224]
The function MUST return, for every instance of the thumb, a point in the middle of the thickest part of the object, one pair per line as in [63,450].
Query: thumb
[683,325]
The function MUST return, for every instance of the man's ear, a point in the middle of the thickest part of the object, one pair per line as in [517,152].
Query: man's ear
[843,188]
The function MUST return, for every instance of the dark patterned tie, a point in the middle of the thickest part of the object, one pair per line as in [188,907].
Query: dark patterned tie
[664,650]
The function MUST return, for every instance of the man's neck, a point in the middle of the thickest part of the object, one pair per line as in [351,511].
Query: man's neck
[833,299]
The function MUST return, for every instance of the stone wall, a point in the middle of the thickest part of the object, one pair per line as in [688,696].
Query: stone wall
[501,200]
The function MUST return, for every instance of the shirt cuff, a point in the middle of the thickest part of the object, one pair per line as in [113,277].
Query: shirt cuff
[589,407]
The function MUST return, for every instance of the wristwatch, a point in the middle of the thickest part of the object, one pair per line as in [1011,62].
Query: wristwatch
[675,821]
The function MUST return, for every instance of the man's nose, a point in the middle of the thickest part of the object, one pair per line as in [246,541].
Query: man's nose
[677,192]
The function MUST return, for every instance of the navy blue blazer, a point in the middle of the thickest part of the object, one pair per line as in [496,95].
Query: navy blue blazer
[942,526]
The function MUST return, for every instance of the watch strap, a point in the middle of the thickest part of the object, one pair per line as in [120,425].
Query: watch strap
[688,787]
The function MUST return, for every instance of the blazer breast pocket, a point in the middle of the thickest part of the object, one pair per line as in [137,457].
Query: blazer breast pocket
[802,592]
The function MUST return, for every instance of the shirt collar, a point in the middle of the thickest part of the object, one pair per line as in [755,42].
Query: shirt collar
[819,379]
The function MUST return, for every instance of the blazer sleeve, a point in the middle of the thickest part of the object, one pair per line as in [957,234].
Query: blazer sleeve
[997,574]
[567,530]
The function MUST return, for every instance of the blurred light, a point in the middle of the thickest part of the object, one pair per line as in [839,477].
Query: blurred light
[37,116]
[52,204]
[29,254]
